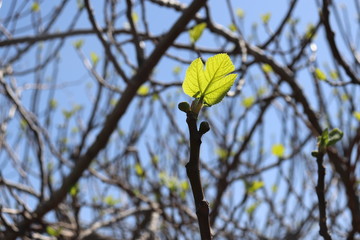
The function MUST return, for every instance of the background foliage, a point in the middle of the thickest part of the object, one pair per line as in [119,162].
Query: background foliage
[92,145]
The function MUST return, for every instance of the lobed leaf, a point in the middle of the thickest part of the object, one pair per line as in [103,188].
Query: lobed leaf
[212,83]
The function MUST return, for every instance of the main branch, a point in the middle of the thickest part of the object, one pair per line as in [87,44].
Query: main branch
[193,173]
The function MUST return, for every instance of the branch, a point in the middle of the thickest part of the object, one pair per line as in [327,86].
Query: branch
[330,35]
[110,124]
[193,173]
[320,191]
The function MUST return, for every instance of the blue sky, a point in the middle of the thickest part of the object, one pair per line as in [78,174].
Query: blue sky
[80,92]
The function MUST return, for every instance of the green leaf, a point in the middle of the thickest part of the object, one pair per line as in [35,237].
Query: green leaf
[78,44]
[94,58]
[74,190]
[139,170]
[55,232]
[232,27]
[212,83]
[248,101]
[222,153]
[184,185]
[111,201]
[196,32]
[334,75]
[274,188]
[143,90]
[53,104]
[35,7]
[155,97]
[155,159]
[267,68]
[113,101]
[240,13]
[344,97]
[323,140]
[250,210]
[335,135]
[320,74]
[266,18]
[252,187]
[356,115]
[67,114]
[278,150]
[176,70]
[310,31]
[261,91]
[135,17]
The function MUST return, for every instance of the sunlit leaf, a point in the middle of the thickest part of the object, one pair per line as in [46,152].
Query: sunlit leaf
[155,97]
[310,31]
[357,115]
[196,32]
[212,83]
[221,153]
[184,185]
[274,188]
[232,27]
[265,18]
[261,91]
[53,103]
[135,17]
[74,130]
[67,114]
[143,90]
[35,7]
[266,68]
[113,101]
[334,75]
[155,159]
[248,101]
[111,201]
[278,150]
[94,58]
[74,190]
[78,44]
[240,13]
[335,135]
[320,74]
[176,70]
[139,170]
[344,97]
[55,232]
[252,187]
[250,210]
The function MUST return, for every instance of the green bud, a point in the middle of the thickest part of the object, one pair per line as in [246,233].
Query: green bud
[196,105]
[204,127]
[184,106]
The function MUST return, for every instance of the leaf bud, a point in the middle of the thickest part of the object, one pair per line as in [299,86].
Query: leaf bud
[184,106]
[204,127]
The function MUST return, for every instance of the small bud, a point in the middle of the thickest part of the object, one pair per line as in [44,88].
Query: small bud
[184,106]
[204,127]
[315,154]
[196,105]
